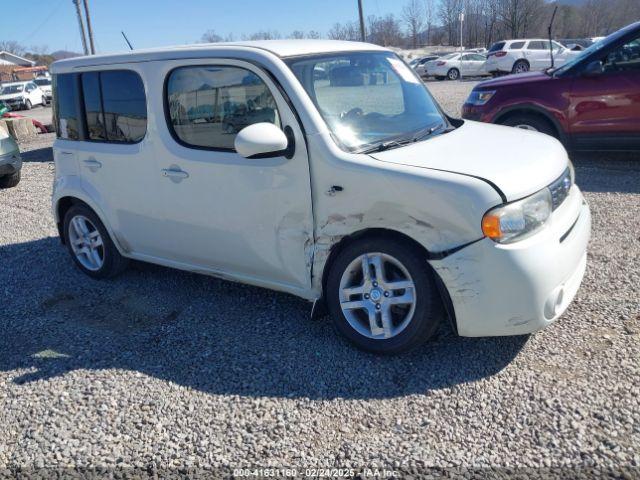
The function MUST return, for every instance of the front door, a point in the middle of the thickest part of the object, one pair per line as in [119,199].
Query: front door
[604,109]
[250,218]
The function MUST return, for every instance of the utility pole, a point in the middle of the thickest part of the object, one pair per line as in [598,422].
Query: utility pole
[89,29]
[461,47]
[363,37]
[81,24]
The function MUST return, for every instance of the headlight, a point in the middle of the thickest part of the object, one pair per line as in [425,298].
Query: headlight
[480,97]
[518,220]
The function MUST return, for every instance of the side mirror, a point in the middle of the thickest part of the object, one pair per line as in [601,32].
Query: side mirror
[263,140]
[593,69]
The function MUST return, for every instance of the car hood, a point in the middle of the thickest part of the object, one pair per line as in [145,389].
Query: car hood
[9,96]
[509,80]
[517,162]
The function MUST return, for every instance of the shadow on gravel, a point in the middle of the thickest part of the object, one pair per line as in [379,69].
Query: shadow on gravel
[211,335]
[38,155]
[607,171]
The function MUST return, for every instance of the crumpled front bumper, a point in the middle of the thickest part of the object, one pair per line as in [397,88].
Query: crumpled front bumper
[522,287]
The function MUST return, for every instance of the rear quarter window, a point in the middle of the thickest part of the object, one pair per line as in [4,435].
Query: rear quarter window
[497,46]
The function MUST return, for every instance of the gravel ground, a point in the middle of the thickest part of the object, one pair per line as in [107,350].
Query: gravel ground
[160,369]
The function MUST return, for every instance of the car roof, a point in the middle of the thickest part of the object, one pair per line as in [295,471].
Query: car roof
[279,48]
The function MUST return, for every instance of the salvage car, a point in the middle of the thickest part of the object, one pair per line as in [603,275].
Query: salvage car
[22,95]
[590,103]
[359,193]
[10,160]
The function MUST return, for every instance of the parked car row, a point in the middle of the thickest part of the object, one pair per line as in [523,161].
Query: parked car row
[504,57]
[590,102]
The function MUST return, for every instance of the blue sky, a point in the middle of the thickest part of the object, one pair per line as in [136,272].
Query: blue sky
[151,23]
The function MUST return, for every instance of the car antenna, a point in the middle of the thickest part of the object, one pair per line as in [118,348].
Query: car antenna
[553,17]
[129,43]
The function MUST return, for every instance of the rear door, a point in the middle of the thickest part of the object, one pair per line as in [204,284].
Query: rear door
[605,109]
[115,156]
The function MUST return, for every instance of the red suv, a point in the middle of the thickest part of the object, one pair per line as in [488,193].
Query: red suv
[590,103]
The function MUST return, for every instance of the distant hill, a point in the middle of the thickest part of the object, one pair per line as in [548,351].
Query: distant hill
[62,54]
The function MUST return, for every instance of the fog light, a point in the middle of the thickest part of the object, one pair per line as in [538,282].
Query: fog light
[554,303]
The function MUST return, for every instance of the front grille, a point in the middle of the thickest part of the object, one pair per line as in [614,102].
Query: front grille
[560,189]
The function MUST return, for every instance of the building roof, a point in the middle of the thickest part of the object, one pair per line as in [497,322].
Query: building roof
[280,48]
[19,60]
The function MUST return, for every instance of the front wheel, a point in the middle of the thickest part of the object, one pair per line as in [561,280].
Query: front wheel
[530,122]
[90,245]
[27,105]
[382,295]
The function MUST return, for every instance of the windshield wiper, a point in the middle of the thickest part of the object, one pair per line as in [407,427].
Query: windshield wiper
[419,135]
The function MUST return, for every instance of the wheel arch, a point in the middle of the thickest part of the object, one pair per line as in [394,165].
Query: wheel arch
[530,109]
[389,234]
[62,206]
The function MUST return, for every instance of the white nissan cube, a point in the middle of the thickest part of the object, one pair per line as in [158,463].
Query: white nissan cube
[323,169]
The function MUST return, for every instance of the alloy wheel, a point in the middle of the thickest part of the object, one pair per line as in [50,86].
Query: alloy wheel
[377,296]
[86,243]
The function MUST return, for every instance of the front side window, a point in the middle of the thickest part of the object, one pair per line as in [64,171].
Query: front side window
[366,98]
[624,58]
[66,118]
[209,105]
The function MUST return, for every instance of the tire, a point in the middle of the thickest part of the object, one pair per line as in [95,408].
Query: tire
[453,74]
[44,101]
[521,66]
[112,262]
[410,325]
[8,181]
[530,122]
[27,105]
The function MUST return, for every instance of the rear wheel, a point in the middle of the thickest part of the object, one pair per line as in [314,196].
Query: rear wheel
[90,245]
[530,122]
[8,181]
[382,295]
[521,66]
[453,74]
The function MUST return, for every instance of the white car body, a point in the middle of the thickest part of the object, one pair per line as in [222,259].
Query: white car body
[420,64]
[19,95]
[273,222]
[454,65]
[44,82]
[522,55]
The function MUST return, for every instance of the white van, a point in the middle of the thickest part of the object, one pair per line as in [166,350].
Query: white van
[320,168]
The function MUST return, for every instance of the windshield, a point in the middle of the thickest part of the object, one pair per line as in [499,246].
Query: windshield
[367,98]
[43,82]
[7,89]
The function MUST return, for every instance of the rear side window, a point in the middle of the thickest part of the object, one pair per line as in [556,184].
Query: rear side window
[124,106]
[516,46]
[538,45]
[66,118]
[208,105]
[93,106]
[497,46]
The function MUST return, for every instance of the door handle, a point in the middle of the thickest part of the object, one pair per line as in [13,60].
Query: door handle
[92,165]
[174,173]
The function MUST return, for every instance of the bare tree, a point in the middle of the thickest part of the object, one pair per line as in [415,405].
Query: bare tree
[413,16]
[314,34]
[429,15]
[346,31]
[449,12]
[297,34]
[385,31]
[12,46]
[210,36]
[263,35]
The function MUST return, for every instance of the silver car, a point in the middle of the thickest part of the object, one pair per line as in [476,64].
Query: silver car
[10,161]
